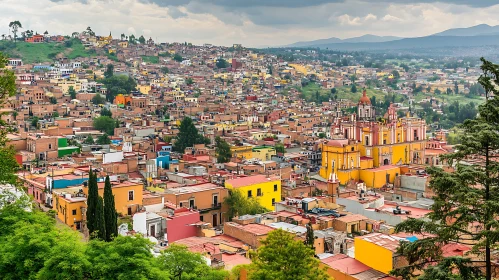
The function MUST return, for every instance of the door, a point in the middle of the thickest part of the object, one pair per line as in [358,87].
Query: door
[153,231]
[215,220]
[215,201]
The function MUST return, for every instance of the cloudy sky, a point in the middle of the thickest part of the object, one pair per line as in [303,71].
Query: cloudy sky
[253,23]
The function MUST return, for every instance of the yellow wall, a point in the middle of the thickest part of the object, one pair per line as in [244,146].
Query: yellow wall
[373,255]
[377,178]
[346,162]
[120,193]
[242,151]
[267,192]
[144,89]
[263,153]
[64,209]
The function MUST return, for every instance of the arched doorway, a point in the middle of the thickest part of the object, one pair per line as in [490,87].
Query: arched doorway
[386,162]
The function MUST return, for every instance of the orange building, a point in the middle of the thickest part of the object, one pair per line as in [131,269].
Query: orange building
[127,196]
[121,99]
[35,39]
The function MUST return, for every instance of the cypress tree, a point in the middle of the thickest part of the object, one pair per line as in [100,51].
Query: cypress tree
[110,215]
[310,238]
[100,223]
[91,203]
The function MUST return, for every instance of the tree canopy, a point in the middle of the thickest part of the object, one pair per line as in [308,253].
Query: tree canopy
[118,84]
[98,99]
[105,124]
[282,257]
[188,136]
[238,205]
[222,149]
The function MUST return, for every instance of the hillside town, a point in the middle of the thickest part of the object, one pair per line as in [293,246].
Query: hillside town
[186,132]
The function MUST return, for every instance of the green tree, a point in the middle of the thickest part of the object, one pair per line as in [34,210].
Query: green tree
[55,114]
[72,92]
[309,237]
[98,99]
[222,149]
[465,208]
[105,124]
[89,140]
[179,261]
[189,81]
[103,139]
[132,40]
[109,71]
[34,121]
[165,70]
[106,112]
[119,84]
[396,74]
[188,136]
[322,135]
[110,215]
[222,63]
[238,205]
[100,221]
[178,58]
[93,196]
[283,258]
[53,100]
[15,25]
[280,148]
[142,40]
[124,258]
[353,89]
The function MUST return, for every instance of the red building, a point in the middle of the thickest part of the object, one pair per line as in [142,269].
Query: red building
[35,39]
[182,224]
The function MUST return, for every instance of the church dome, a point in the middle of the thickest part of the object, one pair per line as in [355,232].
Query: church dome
[364,100]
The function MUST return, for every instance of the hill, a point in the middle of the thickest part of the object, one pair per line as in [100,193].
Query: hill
[44,52]
[482,29]
[429,42]
[368,38]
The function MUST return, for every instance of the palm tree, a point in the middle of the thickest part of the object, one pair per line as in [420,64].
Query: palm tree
[15,25]
[90,32]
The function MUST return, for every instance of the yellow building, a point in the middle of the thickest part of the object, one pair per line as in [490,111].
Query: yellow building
[68,207]
[263,153]
[127,196]
[266,190]
[245,152]
[377,250]
[342,158]
[144,89]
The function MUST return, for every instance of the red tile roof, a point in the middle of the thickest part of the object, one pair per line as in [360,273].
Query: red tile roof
[248,181]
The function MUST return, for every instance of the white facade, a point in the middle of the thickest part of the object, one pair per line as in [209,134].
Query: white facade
[112,157]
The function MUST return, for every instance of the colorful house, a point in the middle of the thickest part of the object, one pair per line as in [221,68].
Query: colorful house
[127,196]
[245,152]
[267,190]
[68,207]
[264,152]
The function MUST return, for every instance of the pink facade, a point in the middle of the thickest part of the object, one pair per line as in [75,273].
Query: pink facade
[181,226]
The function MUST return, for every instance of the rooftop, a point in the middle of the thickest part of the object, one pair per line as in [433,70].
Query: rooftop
[250,180]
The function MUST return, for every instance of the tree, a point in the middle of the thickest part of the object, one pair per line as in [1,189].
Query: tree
[333,91]
[103,139]
[396,74]
[238,205]
[118,85]
[110,215]
[282,257]
[93,196]
[165,70]
[465,208]
[279,148]
[189,81]
[106,112]
[353,89]
[105,124]
[15,25]
[309,237]
[456,88]
[177,260]
[322,135]
[100,221]
[188,136]
[222,149]
[124,258]
[222,63]
[142,40]
[178,58]
[109,71]
[98,99]
[72,92]
[53,100]
[89,140]
[55,114]
[131,39]
[89,31]
[34,121]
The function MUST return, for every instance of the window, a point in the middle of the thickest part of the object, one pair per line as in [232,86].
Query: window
[275,187]
[273,201]
[129,211]
[191,203]
[201,218]
[353,149]
[259,192]
[181,204]
[249,194]
[130,195]
[74,212]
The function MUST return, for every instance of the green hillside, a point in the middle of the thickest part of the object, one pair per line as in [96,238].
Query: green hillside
[44,52]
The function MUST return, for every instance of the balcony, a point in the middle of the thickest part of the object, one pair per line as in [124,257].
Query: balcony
[213,207]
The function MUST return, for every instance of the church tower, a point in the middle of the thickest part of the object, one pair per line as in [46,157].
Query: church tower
[365,110]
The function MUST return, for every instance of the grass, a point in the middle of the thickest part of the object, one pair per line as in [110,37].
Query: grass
[309,93]
[44,52]
[150,59]
[461,98]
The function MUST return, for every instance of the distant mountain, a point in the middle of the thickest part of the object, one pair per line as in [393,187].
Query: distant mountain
[368,38]
[428,42]
[482,29]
